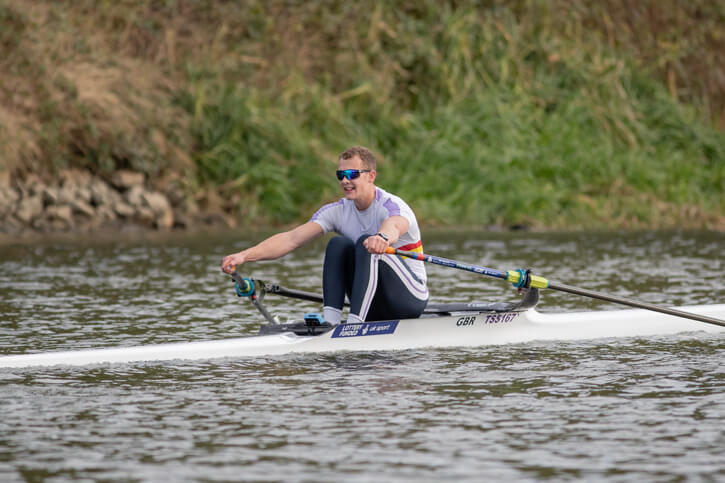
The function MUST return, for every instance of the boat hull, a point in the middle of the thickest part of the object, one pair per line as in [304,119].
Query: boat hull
[462,330]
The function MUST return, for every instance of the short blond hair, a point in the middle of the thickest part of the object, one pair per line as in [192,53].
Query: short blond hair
[365,155]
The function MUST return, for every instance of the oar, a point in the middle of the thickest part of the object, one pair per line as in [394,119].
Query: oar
[521,278]
[248,286]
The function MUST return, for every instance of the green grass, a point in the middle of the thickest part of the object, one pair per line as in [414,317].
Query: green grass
[548,114]
[497,120]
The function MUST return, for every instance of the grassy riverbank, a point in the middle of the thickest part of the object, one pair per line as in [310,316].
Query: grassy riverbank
[547,114]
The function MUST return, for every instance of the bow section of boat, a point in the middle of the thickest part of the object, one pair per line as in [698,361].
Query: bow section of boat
[618,323]
[241,346]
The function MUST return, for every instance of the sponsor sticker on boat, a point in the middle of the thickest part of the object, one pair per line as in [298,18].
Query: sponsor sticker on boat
[367,328]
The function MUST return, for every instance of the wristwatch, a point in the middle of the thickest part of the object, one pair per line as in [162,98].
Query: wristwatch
[383,236]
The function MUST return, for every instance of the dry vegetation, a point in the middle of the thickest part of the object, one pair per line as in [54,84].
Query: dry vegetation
[157,86]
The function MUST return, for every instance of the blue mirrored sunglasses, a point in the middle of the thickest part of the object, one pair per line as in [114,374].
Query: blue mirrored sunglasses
[350,173]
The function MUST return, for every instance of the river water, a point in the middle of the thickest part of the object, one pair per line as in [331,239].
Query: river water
[625,409]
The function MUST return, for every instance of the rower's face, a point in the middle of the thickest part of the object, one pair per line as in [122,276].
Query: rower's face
[359,187]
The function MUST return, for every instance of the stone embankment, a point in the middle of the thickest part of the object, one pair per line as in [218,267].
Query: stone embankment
[81,202]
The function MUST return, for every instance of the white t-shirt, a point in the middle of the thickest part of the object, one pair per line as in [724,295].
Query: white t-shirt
[344,218]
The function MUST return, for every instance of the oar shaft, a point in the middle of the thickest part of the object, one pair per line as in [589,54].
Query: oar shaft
[633,303]
[292,293]
[274,288]
[514,276]
[447,263]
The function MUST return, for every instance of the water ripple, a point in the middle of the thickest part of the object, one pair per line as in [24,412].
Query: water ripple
[614,409]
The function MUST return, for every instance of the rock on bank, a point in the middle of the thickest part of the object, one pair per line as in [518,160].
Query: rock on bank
[80,201]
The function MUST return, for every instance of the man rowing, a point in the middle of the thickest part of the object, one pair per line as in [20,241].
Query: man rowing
[368,220]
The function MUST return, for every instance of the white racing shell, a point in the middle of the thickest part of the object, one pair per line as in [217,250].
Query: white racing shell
[469,329]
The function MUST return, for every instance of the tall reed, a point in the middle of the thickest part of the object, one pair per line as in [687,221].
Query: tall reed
[550,114]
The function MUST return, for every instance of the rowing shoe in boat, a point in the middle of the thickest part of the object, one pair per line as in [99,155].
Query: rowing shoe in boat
[441,326]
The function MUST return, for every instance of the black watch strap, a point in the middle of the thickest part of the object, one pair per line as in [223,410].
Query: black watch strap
[383,236]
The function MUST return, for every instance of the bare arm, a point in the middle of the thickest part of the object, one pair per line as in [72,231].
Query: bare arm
[393,226]
[274,247]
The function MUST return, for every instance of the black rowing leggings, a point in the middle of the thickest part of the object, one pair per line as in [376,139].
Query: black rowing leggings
[380,287]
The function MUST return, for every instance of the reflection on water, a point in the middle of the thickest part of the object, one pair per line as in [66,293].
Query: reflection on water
[618,408]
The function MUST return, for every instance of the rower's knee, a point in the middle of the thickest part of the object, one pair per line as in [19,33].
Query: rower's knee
[359,244]
[338,246]
[360,249]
